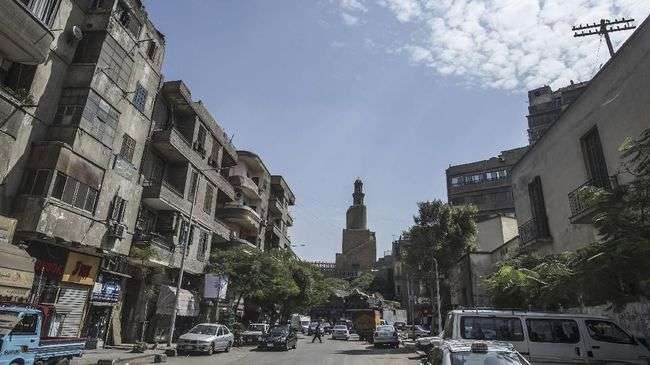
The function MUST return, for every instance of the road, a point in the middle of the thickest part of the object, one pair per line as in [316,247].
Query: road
[330,352]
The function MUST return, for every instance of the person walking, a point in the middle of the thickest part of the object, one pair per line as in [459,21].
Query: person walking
[318,332]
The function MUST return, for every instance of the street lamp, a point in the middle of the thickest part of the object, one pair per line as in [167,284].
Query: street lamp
[194,189]
[437,297]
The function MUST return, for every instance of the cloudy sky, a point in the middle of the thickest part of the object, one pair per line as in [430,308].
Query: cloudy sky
[392,91]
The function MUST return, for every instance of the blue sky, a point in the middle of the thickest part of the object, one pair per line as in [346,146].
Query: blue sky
[391,91]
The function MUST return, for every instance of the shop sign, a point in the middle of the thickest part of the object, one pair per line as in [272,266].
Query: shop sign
[106,289]
[14,294]
[16,278]
[80,269]
[48,267]
[215,286]
[188,303]
[7,229]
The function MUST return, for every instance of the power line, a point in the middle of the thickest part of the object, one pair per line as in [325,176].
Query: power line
[605,27]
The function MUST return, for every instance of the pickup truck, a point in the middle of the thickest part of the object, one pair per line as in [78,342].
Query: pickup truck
[22,343]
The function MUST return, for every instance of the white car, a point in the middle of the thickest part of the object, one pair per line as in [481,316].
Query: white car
[476,352]
[386,335]
[340,332]
[254,333]
[207,338]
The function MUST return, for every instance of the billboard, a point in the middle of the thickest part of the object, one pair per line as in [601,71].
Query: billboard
[215,286]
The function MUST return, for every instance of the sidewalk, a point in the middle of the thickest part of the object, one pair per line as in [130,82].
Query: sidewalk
[92,356]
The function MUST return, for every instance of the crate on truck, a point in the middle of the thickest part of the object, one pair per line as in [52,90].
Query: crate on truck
[23,342]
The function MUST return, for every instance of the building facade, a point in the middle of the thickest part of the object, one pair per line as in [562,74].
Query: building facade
[581,149]
[485,184]
[359,246]
[279,217]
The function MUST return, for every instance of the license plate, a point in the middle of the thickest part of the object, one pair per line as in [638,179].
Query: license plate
[269,345]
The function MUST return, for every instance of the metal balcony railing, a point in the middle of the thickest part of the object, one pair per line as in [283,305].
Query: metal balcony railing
[578,201]
[530,231]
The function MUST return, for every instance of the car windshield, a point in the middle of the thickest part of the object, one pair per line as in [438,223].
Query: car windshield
[256,327]
[385,328]
[278,331]
[204,330]
[340,327]
[8,320]
[490,358]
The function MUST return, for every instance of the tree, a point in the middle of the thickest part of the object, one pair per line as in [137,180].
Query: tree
[442,231]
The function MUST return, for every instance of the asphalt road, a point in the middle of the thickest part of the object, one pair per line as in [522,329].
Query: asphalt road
[330,352]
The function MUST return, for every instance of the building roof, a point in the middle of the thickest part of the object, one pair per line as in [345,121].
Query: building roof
[505,158]
[279,180]
[242,154]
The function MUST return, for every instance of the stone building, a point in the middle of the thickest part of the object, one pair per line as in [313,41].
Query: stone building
[359,247]
[79,80]
[581,149]
[485,184]
[546,105]
[279,218]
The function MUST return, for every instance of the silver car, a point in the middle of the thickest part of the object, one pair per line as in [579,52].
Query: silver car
[207,338]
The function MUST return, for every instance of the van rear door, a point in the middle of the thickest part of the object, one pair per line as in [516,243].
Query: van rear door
[607,342]
[555,340]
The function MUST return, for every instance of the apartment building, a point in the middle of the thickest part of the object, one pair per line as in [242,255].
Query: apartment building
[581,149]
[485,184]
[545,106]
[78,86]
[279,217]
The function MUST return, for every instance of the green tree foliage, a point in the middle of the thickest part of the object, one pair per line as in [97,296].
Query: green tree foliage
[616,269]
[442,231]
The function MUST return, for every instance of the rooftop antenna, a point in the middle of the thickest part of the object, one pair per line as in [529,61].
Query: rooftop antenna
[605,27]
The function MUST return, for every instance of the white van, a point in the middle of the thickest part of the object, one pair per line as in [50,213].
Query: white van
[549,338]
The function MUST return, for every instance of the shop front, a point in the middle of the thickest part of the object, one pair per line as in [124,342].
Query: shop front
[104,298]
[186,317]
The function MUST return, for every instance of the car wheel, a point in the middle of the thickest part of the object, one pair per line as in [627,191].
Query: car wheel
[211,349]
[295,344]
[227,349]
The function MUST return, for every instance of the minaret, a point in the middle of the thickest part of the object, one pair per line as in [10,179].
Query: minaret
[356,215]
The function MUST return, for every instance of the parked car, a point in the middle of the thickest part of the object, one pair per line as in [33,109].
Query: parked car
[23,342]
[206,338]
[279,337]
[548,337]
[425,344]
[340,332]
[254,333]
[416,331]
[327,328]
[476,352]
[399,325]
[385,335]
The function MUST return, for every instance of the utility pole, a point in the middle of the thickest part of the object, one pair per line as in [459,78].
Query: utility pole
[435,261]
[605,27]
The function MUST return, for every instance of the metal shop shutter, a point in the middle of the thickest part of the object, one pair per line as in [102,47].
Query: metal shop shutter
[72,302]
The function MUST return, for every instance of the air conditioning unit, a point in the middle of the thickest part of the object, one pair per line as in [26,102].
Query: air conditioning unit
[116,230]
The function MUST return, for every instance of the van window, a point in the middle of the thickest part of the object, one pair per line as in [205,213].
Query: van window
[449,327]
[608,332]
[553,330]
[491,328]
[26,325]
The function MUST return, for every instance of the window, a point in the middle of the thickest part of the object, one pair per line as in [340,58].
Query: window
[126,18]
[491,328]
[74,192]
[594,158]
[140,97]
[207,202]
[44,10]
[128,148]
[151,50]
[538,208]
[193,187]
[607,332]
[17,78]
[200,140]
[36,182]
[87,109]
[553,330]
[26,325]
[220,331]
[118,208]
[455,181]
[153,167]
[202,247]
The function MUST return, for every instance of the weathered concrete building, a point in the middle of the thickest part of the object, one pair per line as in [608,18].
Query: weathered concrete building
[359,246]
[75,124]
[581,149]
[546,105]
[485,184]
[279,218]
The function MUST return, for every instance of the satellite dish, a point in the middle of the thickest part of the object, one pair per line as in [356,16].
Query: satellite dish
[77,33]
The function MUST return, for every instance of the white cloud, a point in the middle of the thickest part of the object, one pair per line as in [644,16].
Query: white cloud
[353,5]
[505,44]
[349,19]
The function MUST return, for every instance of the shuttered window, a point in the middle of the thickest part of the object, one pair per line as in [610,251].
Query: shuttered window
[128,148]
[207,201]
[74,192]
[140,97]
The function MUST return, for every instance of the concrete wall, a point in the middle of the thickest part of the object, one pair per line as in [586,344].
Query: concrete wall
[616,102]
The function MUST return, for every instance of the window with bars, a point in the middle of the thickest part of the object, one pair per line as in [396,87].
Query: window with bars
[207,201]
[44,10]
[89,47]
[127,19]
[538,208]
[153,167]
[152,49]
[202,246]
[36,182]
[118,209]
[128,148]
[74,192]
[199,145]
[594,158]
[140,97]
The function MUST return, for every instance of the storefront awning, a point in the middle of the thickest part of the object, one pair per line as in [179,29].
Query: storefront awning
[16,272]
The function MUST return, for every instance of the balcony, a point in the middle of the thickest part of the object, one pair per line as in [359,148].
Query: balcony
[24,37]
[582,207]
[173,145]
[11,114]
[246,185]
[289,221]
[276,207]
[240,215]
[531,232]
[163,196]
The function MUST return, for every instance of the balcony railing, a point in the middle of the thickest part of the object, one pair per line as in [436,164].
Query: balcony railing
[578,199]
[531,231]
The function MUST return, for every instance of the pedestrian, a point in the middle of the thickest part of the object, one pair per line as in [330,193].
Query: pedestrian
[318,332]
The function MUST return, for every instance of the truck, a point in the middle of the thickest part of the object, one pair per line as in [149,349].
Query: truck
[364,322]
[300,323]
[22,342]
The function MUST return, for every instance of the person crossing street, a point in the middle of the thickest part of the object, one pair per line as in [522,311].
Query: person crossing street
[318,332]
